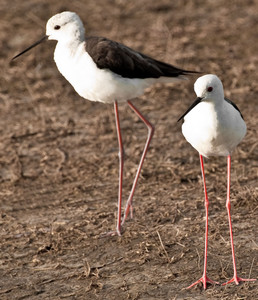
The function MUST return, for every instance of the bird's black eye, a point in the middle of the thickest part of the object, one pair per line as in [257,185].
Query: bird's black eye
[209,89]
[57,27]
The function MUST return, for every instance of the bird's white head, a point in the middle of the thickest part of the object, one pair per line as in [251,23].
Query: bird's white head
[209,87]
[65,27]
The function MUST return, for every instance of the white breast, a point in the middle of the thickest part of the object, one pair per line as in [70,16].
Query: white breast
[214,130]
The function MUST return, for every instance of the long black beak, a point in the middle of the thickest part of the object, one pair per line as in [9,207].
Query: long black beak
[196,101]
[32,46]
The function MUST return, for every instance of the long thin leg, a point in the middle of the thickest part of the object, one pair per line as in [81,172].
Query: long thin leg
[150,134]
[228,205]
[204,279]
[121,167]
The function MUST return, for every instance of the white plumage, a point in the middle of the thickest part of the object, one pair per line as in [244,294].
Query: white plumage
[214,126]
[77,66]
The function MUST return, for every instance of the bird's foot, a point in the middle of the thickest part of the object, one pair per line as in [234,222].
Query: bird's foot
[204,279]
[237,280]
[117,232]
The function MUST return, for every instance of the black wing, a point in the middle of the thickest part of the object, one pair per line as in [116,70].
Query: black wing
[126,62]
[233,104]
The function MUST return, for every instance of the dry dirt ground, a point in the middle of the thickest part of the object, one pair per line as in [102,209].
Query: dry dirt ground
[59,163]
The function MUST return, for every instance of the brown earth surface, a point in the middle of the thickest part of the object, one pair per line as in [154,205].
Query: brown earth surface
[59,162]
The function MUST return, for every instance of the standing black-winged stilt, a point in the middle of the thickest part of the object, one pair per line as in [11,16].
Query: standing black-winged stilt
[214,126]
[106,71]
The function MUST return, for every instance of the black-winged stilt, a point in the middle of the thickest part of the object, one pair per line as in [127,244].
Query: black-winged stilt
[214,126]
[106,71]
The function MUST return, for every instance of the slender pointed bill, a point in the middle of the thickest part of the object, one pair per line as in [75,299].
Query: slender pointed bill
[196,101]
[45,37]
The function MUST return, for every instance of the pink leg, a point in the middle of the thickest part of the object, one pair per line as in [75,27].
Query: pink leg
[121,167]
[204,279]
[228,205]
[150,134]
